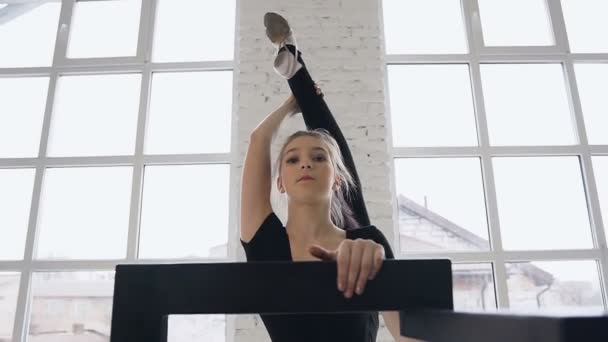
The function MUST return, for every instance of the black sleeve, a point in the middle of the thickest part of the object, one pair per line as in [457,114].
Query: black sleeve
[270,242]
[317,114]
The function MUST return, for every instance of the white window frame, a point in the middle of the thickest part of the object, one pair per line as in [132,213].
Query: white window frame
[478,54]
[141,63]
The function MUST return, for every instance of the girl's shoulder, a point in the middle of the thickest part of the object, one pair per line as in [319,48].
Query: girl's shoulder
[362,231]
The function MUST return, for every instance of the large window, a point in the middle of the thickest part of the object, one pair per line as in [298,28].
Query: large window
[115,141]
[499,121]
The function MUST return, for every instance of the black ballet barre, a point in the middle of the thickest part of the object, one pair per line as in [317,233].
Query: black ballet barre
[145,295]
[449,326]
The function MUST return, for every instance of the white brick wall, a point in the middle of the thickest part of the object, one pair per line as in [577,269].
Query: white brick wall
[341,41]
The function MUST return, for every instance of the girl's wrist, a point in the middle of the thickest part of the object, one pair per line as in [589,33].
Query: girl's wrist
[282,111]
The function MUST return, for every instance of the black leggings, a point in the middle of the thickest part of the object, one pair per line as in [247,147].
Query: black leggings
[316,114]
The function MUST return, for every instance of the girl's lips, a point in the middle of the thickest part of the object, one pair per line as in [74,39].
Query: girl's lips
[305,178]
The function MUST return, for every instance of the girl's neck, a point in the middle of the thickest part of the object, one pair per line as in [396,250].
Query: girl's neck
[308,223]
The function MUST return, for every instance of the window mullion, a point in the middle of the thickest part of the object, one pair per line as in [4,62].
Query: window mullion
[138,169]
[558,24]
[63,32]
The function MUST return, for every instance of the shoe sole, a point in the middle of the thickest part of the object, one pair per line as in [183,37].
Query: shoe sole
[277,27]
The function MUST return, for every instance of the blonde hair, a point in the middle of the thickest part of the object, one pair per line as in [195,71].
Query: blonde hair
[341,213]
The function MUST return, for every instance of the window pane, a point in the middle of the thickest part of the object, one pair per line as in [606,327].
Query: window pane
[185,211]
[526,104]
[541,203]
[84,213]
[592,81]
[9,288]
[600,170]
[194,30]
[422,96]
[586,25]
[441,204]
[190,113]
[91,36]
[195,328]
[95,115]
[554,285]
[15,201]
[71,306]
[22,104]
[36,26]
[473,287]
[424,26]
[515,23]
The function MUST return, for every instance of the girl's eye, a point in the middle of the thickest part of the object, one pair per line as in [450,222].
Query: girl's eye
[292,160]
[320,157]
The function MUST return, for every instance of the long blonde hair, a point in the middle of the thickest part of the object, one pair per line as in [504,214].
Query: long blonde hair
[341,213]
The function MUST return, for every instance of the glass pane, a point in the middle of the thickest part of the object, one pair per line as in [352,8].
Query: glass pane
[185,211]
[15,201]
[441,204]
[473,287]
[592,81]
[526,104]
[554,285]
[423,95]
[84,213]
[423,26]
[34,24]
[9,288]
[195,328]
[541,203]
[194,30]
[586,25]
[515,23]
[22,104]
[190,113]
[95,115]
[71,306]
[600,170]
[91,36]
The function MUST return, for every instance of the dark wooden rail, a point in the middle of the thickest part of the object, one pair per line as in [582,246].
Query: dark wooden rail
[144,295]
[449,326]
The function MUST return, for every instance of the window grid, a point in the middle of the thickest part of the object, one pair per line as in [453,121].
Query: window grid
[479,54]
[141,63]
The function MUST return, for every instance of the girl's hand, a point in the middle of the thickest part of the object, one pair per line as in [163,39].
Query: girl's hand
[318,89]
[291,105]
[358,261]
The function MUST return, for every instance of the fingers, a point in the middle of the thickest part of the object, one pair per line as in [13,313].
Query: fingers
[367,265]
[354,266]
[343,261]
[378,260]
[358,261]
[319,92]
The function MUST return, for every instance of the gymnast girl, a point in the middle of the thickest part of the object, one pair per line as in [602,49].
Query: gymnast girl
[326,214]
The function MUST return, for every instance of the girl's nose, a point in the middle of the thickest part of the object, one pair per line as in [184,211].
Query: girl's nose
[305,166]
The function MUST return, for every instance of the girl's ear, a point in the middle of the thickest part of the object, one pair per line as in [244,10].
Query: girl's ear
[280,185]
[337,183]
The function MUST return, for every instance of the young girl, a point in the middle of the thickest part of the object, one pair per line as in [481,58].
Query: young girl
[327,217]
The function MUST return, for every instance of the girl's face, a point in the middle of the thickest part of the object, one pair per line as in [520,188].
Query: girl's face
[304,157]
